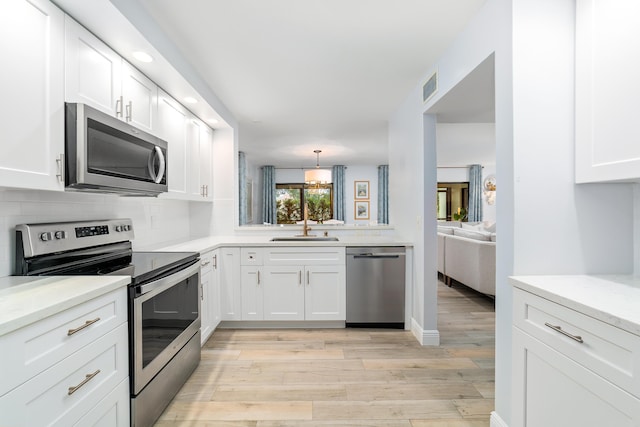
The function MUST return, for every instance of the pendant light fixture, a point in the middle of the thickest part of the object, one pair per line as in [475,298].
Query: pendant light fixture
[317,176]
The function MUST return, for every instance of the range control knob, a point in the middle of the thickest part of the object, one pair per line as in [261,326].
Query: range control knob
[45,237]
[60,235]
[127,227]
[118,228]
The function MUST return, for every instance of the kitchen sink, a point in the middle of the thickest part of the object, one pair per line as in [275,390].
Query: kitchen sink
[302,238]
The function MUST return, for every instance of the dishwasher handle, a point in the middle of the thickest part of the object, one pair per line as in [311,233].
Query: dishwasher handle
[377,255]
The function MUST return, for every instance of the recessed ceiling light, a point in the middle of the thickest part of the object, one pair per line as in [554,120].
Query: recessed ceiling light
[213,121]
[142,56]
[190,100]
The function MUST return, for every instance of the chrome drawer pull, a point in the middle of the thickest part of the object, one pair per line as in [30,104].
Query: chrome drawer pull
[79,328]
[87,378]
[559,329]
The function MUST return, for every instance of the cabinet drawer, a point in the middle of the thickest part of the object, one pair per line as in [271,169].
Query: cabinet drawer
[93,371]
[305,256]
[206,263]
[606,350]
[251,256]
[112,411]
[552,390]
[40,345]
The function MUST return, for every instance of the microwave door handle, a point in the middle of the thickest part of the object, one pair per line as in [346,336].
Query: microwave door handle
[156,177]
[162,168]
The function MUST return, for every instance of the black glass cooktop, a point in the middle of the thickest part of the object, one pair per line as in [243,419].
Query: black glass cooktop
[146,266]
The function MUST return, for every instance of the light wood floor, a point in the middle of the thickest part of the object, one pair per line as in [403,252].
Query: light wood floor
[347,377]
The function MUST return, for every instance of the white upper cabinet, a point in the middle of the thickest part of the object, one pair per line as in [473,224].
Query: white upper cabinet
[140,99]
[607,90]
[206,163]
[189,141]
[97,76]
[32,114]
[194,132]
[93,72]
[173,128]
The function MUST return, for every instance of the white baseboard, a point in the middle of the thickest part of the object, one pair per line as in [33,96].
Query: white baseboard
[496,421]
[425,337]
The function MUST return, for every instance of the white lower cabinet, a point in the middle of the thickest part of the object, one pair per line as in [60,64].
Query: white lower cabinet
[87,383]
[284,293]
[570,369]
[112,411]
[229,282]
[297,283]
[251,292]
[206,296]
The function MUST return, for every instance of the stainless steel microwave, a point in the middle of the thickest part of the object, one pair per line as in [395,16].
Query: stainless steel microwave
[107,155]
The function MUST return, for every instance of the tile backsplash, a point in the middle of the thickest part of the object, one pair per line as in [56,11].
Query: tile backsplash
[157,222]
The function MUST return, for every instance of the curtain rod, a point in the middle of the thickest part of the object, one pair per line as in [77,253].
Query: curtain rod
[310,167]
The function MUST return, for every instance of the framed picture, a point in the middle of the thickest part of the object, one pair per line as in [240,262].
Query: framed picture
[361,190]
[361,210]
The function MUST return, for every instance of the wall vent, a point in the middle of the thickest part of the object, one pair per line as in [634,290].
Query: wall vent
[430,87]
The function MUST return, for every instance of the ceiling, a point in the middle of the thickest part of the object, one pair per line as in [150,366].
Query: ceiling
[300,75]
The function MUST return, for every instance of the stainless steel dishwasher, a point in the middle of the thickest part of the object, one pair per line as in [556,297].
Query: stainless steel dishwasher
[375,287]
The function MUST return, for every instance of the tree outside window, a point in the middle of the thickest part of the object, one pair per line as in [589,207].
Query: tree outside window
[290,200]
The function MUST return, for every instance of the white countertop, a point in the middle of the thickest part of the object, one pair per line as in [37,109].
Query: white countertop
[611,299]
[209,243]
[27,299]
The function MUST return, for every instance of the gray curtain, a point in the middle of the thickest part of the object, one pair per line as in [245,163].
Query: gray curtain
[475,193]
[337,176]
[269,195]
[242,183]
[383,194]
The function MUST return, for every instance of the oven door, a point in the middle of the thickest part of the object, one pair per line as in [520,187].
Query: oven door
[166,314]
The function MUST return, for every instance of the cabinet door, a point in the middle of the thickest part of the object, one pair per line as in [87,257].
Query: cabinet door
[251,282]
[194,186]
[206,162]
[551,390]
[229,279]
[172,119]
[32,86]
[607,91]
[325,292]
[93,72]
[140,99]
[112,411]
[206,273]
[214,294]
[284,293]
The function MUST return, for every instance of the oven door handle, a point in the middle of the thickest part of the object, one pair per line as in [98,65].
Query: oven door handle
[165,283]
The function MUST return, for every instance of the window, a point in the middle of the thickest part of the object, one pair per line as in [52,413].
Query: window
[290,199]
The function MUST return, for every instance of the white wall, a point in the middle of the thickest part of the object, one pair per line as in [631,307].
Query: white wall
[156,222]
[461,144]
[406,199]
[546,223]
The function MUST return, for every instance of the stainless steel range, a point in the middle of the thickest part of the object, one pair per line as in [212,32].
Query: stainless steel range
[164,299]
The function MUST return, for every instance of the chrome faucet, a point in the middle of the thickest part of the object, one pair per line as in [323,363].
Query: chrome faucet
[305,227]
